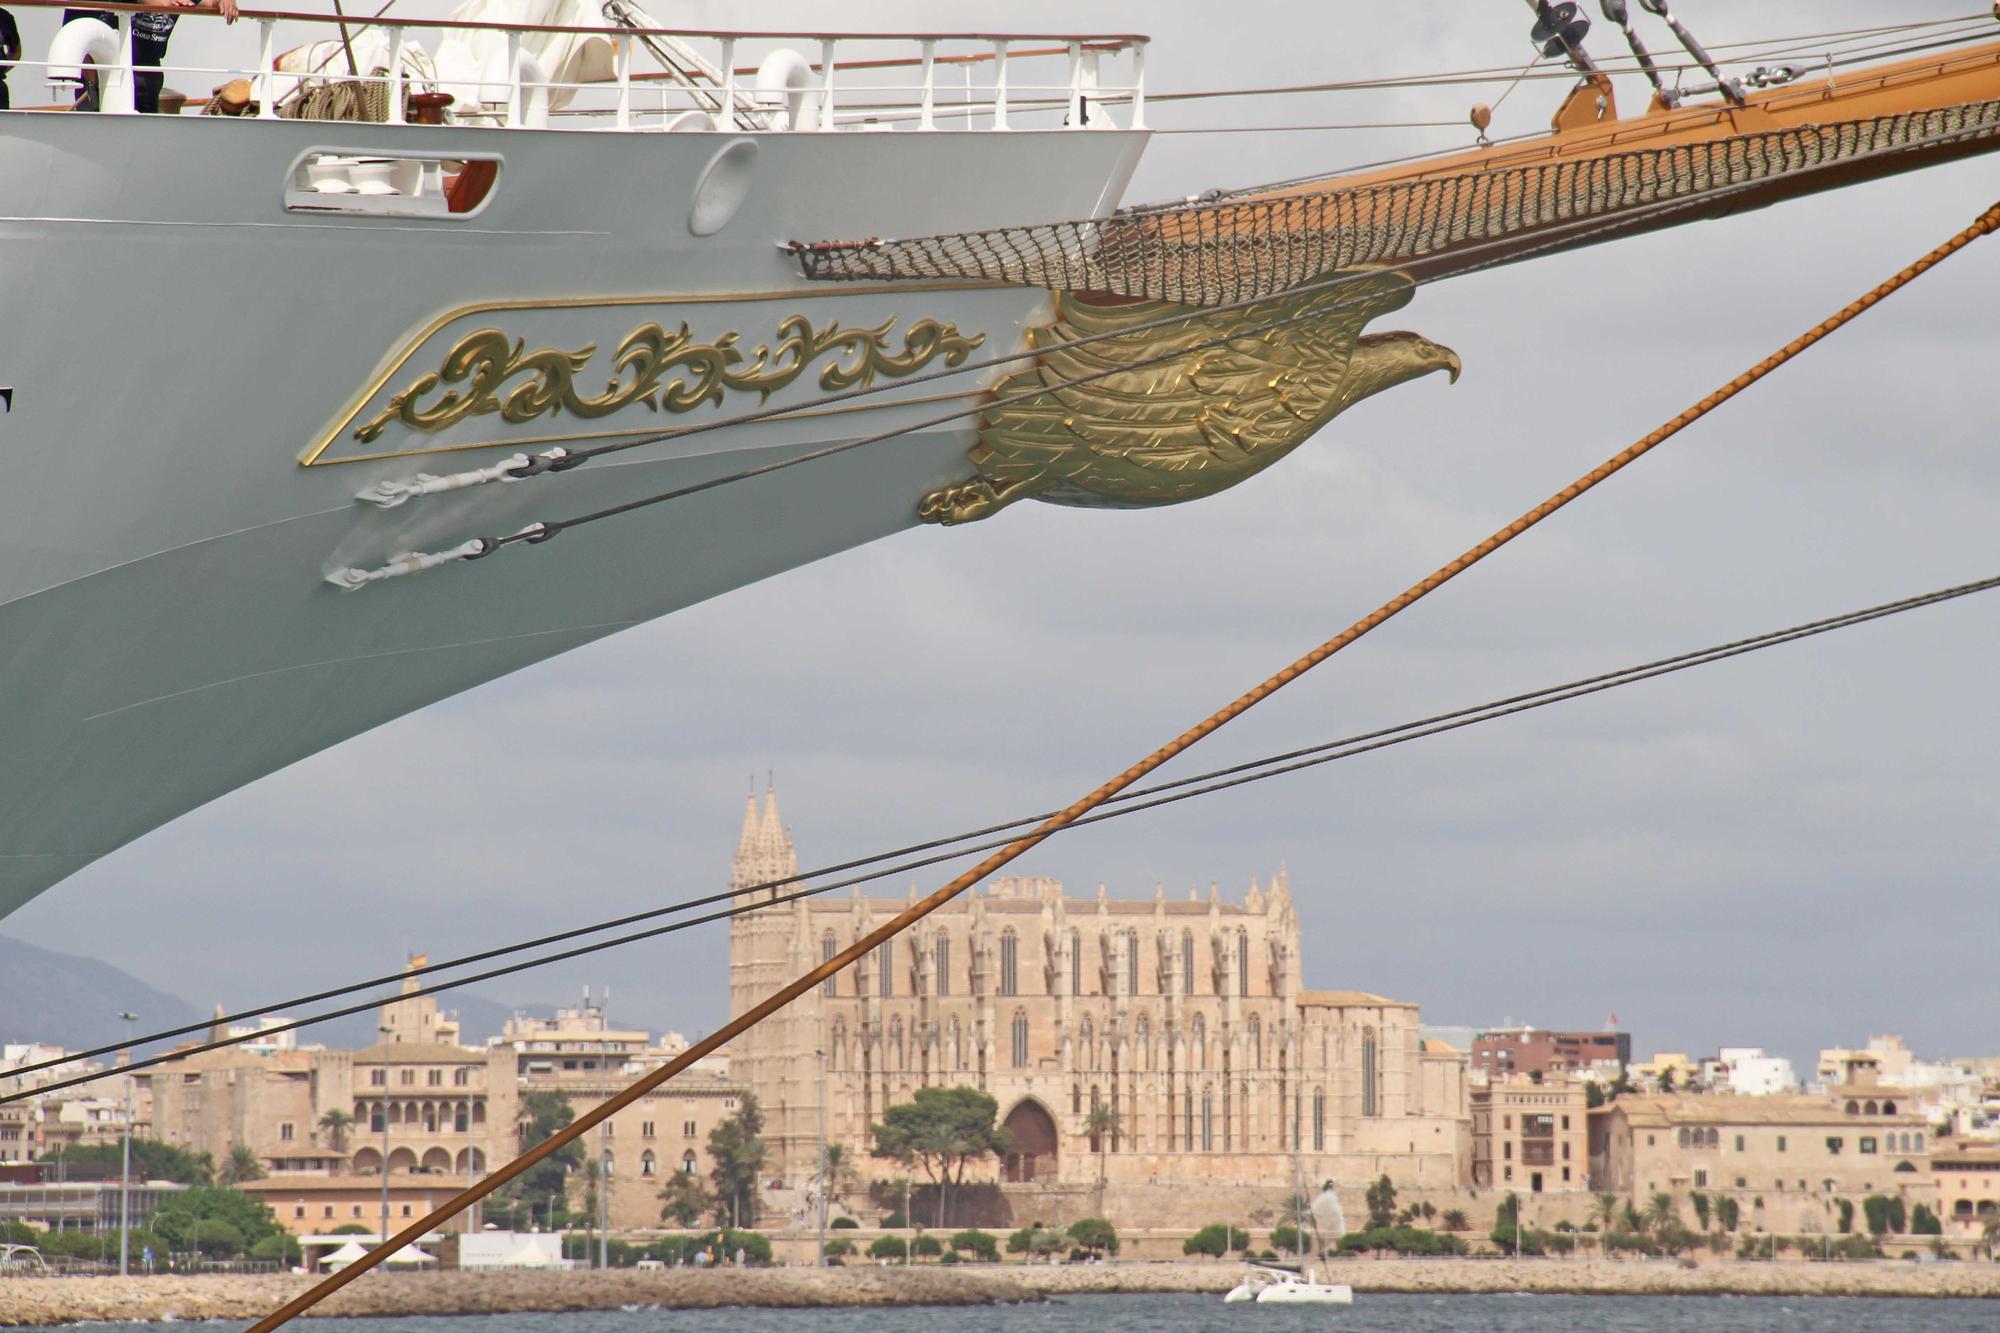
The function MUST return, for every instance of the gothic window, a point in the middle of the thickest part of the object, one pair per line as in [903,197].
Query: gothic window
[1020,1051]
[1076,1099]
[1187,962]
[687,1162]
[1368,1098]
[1207,1120]
[1685,1137]
[1142,1037]
[1076,962]
[943,963]
[1242,962]
[1256,1042]
[826,952]
[1131,962]
[647,1163]
[1009,956]
[1319,1120]
[1187,1119]
[1200,1043]
[885,960]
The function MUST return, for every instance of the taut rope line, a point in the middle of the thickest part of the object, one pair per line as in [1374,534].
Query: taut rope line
[916,911]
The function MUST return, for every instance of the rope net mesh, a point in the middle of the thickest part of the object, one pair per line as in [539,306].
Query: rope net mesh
[1245,249]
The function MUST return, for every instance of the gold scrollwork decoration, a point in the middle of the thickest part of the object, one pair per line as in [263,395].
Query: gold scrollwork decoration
[485,361]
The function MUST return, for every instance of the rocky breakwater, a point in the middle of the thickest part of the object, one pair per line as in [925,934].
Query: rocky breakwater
[1552,1276]
[26,1302]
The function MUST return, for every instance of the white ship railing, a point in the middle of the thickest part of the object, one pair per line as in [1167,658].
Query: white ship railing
[838,82]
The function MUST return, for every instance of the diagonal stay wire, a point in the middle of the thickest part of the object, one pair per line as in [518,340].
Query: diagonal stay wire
[1556,236]
[1627,219]
[1132,802]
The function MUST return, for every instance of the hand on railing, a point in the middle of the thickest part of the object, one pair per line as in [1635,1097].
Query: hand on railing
[227,8]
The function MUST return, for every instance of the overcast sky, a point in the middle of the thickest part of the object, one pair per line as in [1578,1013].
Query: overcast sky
[1792,850]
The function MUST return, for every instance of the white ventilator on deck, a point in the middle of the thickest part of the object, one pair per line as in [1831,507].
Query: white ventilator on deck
[98,42]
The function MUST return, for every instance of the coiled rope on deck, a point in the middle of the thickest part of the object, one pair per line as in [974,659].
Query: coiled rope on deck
[1221,717]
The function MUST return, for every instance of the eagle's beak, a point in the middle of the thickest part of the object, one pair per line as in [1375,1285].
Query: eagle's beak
[1452,363]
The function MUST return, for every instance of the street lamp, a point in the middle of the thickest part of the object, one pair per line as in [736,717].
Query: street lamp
[125,1170]
[821,1056]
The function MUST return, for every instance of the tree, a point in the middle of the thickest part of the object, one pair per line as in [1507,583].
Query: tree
[1382,1203]
[1701,1206]
[1453,1219]
[180,1215]
[1094,1234]
[1102,1124]
[1728,1212]
[215,1238]
[151,1160]
[839,1248]
[1924,1222]
[281,1249]
[1846,1207]
[1989,1236]
[944,1130]
[336,1123]
[979,1244]
[1606,1212]
[738,1154]
[241,1166]
[1661,1213]
[1216,1240]
[839,1172]
[1593,1096]
[889,1247]
[1876,1209]
[542,1186]
[685,1199]
[1288,1239]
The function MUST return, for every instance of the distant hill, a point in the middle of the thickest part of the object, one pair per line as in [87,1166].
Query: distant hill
[73,1001]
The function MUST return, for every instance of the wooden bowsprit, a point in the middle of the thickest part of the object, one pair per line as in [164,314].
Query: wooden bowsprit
[916,911]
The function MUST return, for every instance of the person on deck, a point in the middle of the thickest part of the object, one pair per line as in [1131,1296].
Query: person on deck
[149,43]
[10,50]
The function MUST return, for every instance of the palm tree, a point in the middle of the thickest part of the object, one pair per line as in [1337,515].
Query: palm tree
[1989,1235]
[839,1173]
[241,1166]
[1101,1124]
[1660,1213]
[336,1123]
[1453,1219]
[1606,1212]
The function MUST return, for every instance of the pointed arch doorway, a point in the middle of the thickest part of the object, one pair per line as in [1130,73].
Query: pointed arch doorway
[1033,1154]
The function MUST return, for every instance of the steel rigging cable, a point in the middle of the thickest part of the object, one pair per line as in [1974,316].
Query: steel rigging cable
[1558,236]
[1221,717]
[1131,802]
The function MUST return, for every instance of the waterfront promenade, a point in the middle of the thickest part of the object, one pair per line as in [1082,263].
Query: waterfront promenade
[32,1301]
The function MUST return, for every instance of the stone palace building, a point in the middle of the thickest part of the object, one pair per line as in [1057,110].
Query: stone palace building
[1188,1018]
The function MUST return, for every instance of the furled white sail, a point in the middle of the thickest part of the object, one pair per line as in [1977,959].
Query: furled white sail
[472,62]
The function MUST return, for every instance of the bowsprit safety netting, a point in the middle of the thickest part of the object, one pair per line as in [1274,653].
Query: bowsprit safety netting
[1245,249]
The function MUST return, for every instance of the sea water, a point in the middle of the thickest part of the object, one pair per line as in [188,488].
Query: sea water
[1207,1314]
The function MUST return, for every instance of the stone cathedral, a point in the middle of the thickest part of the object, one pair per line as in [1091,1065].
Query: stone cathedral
[1185,1017]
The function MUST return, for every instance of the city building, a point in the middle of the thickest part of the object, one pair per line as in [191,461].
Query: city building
[1187,1020]
[1530,1136]
[1527,1052]
[1787,1159]
[80,1205]
[640,1147]
[1671,1069]
[1748,1072]
[1967,1176]
[317,1119]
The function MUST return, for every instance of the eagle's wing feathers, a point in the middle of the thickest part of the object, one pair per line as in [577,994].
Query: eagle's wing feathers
[1281,363]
